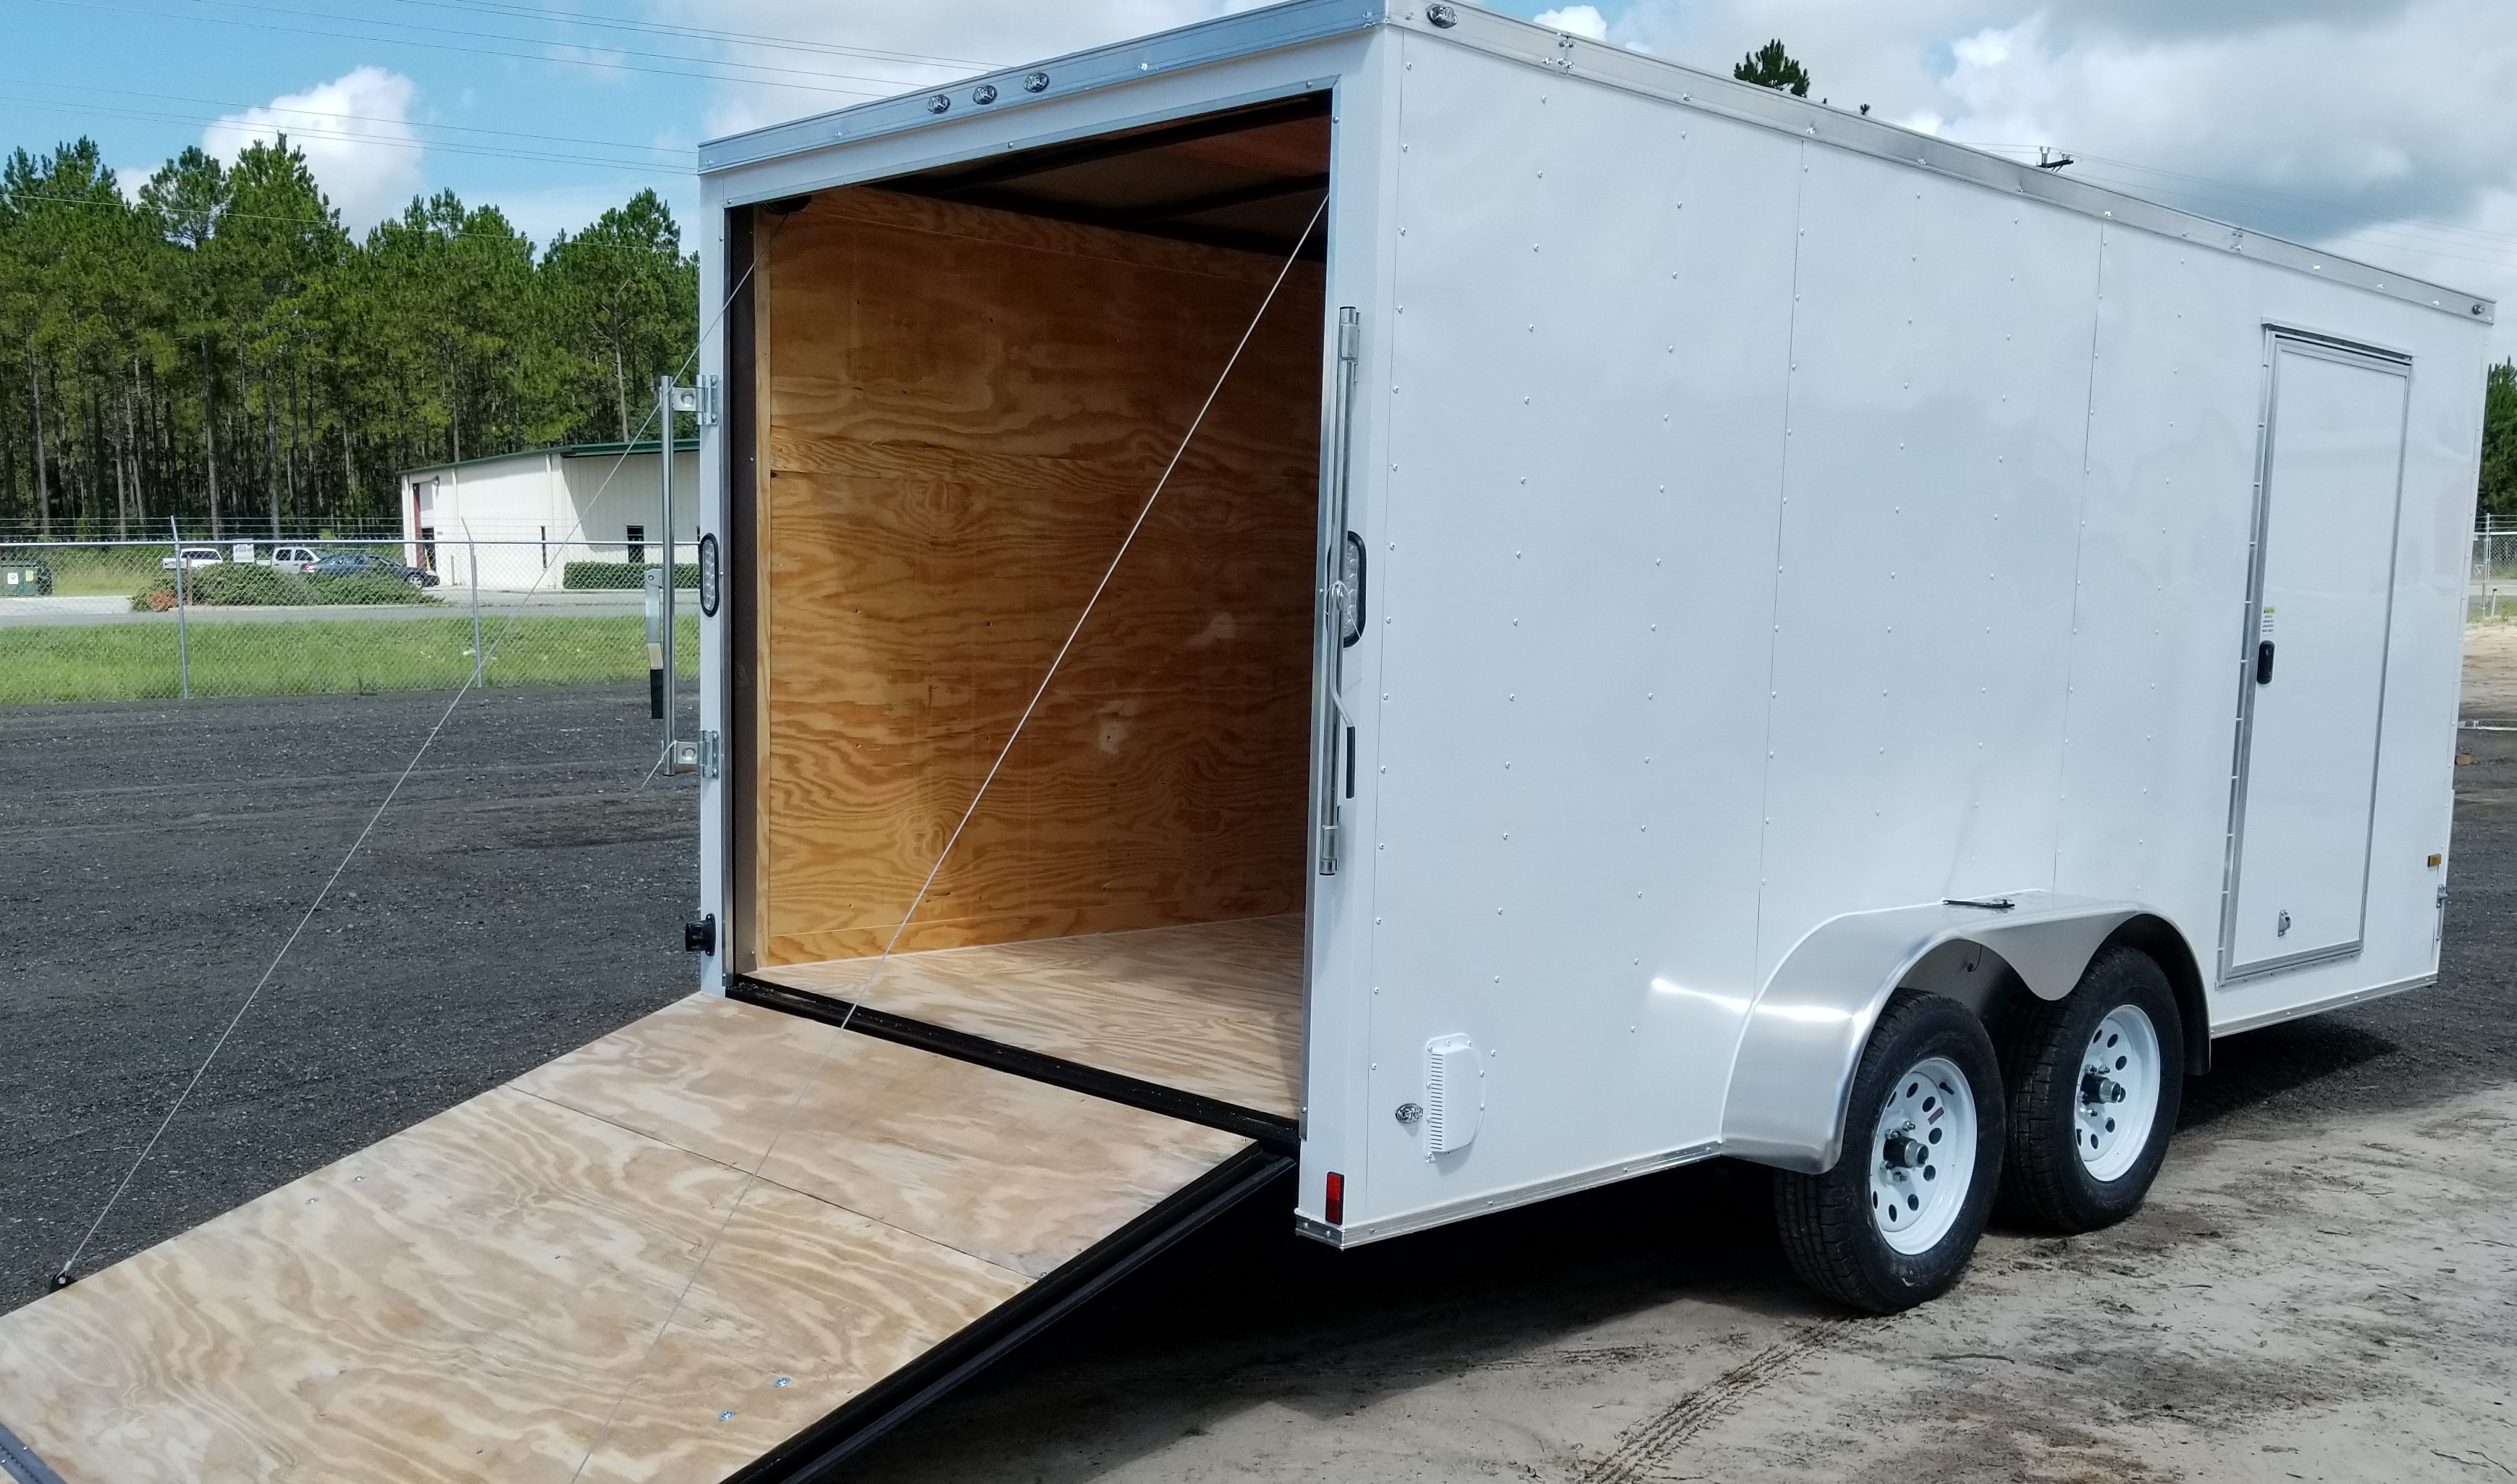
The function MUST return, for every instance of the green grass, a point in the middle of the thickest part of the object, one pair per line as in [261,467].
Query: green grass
[96,571]
[137,662]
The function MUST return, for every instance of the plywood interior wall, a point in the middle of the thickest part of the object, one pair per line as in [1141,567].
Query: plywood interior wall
[964,409]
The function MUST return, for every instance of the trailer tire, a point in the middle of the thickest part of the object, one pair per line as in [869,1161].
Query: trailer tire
[2076,1161]
[1928,1067]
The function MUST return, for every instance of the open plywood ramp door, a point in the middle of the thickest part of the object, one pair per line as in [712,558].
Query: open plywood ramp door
[481,1295]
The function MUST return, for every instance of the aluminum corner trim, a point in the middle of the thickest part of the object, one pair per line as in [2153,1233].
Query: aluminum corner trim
[1358,1233]
[2320,1006]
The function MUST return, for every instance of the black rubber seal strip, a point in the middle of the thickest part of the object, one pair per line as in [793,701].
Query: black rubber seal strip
[19,1462]
[818,1451]
[1280,1135]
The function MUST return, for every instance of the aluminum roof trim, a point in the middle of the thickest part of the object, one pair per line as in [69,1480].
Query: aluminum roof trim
[1247,33]
[1300,22]
[1773,108]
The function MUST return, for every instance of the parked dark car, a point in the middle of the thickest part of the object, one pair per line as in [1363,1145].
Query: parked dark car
[359,563]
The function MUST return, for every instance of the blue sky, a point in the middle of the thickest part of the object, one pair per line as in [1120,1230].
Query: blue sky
[551,110]
[2381,128]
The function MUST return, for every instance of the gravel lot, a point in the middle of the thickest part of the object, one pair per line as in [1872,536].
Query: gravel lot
[524,896]
[2324,1286]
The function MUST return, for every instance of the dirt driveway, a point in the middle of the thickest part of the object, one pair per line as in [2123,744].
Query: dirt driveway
[2324,1287]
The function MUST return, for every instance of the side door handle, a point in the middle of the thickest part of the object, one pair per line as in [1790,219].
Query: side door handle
[2263,662]
[1347,589]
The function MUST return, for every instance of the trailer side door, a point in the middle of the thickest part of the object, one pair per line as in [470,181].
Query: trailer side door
[2315,659]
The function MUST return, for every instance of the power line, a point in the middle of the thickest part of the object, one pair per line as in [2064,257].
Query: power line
[387,141]
[223,102]
[704,33]
[442,46]
[443,30]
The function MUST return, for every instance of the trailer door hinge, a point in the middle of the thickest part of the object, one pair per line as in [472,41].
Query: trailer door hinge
[701,399]
[711,755]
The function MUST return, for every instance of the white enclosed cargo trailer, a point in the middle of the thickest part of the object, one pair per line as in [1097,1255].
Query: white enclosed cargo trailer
[1697,623]
[1787,560]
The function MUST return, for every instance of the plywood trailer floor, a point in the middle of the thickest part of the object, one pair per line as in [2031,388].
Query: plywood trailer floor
[1212,1010]
[575,1276]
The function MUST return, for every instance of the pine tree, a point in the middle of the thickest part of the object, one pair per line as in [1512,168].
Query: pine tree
[2499,439]
[1770,66]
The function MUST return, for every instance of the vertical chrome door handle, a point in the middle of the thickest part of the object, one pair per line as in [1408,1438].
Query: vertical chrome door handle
[1340,590]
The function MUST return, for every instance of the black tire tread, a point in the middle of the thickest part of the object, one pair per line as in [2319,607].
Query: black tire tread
[2039,1063]
[1820,1229]
[1816,1240]
[2031,1061]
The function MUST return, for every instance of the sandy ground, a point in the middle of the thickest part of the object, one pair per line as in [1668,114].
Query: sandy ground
[2322,1287]
[2328,1301]
[2491,671]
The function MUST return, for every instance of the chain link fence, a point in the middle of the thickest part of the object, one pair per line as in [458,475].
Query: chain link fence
[129,621]
[134,620]
[2490,575]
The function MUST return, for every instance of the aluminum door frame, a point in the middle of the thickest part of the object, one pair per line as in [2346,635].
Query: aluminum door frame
[2281,340]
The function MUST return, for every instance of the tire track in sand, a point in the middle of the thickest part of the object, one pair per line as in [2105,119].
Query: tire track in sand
[1641,1448]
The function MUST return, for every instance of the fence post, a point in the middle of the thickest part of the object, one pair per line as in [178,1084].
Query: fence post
[665,478]
[472,564]
[183,636]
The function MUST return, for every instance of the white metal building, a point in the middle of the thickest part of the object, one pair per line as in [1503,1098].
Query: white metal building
[522,515]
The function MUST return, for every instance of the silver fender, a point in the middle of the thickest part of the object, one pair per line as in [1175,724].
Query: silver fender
[1793,1074]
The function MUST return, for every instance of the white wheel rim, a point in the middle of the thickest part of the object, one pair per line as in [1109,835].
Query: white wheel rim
[1922,1156]
[2117,1098]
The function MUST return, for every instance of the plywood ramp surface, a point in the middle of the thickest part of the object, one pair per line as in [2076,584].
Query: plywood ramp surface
[1215,1009]
[963,411]
[471,1299]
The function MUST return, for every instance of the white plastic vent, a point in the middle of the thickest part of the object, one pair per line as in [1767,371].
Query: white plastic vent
[1455,1093]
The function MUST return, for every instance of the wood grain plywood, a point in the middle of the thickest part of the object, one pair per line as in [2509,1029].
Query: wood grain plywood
[967,408]
[1017,1172]
[1215,1009]
[830,1305]
[469,1299]
[706,1075]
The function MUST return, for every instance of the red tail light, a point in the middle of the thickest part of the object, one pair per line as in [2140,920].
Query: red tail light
[1337,1199]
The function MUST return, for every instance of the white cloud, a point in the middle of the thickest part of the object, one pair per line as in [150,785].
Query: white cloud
[897,48]
[2380,130]
[354,132]
[1576,21]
